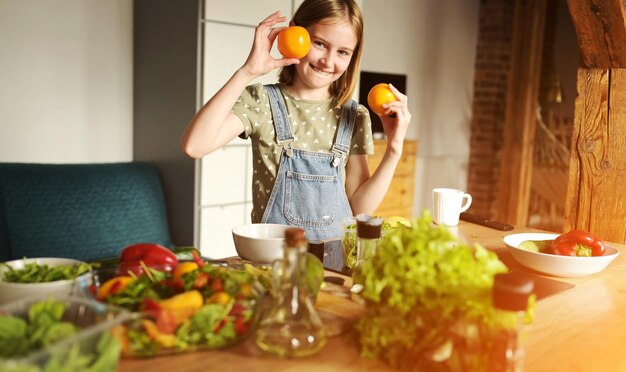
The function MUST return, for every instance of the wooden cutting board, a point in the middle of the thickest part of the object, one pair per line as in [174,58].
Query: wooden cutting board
[337,308]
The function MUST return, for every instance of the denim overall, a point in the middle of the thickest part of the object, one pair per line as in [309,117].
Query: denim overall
[309,191]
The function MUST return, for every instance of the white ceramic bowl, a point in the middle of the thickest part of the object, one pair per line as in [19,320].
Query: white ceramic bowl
[15,291]
[260,242]
[557,265]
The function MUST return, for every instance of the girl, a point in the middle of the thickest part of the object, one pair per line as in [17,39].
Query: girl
[310,140]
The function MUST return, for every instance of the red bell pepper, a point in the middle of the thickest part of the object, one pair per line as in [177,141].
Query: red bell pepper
[152,255]
[198,260]
[578,243]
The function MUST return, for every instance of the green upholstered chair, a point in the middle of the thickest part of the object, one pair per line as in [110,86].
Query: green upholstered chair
[81,211]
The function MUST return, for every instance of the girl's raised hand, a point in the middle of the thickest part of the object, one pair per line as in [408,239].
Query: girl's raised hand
[396,119]
[259,60]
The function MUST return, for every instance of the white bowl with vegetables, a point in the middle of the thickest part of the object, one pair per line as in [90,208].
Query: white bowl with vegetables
[39,276]
[534,256]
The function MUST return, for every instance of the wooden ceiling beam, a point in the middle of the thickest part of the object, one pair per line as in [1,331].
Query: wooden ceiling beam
[601,29]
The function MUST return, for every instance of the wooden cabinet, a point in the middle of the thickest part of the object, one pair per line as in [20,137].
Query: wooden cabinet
[399,198]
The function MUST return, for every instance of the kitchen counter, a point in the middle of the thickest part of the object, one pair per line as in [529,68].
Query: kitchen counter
[579,327]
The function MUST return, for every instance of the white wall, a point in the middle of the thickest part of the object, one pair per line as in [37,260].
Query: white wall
[66,86]
[434,43]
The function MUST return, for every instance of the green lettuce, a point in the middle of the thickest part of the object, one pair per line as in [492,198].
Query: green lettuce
[428,298]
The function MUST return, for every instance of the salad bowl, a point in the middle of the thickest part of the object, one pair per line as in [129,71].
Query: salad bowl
[557,265]
[12,291]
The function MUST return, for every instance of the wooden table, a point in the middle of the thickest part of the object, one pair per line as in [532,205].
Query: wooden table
[580,329]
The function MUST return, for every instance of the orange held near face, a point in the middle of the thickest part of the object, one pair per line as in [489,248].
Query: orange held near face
[294,42]
[379,95]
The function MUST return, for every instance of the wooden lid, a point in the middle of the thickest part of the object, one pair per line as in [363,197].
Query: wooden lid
[294,237]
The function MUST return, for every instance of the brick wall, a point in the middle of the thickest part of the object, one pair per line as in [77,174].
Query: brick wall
[490,87]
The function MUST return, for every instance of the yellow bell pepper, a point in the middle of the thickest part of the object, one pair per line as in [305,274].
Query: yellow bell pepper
[183,306]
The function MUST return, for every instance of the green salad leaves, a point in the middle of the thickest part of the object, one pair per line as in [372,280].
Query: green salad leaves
[428,300]
[44,326]
[36,273]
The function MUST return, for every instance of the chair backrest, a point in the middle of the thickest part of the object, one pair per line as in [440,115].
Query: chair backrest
[81,211]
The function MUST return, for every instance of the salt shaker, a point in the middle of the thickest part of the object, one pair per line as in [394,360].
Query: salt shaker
[368,232]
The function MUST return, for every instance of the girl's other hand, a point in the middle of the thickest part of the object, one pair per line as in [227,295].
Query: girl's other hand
[259,60]
[396,120]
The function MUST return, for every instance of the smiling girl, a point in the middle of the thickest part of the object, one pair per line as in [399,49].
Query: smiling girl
[310,140]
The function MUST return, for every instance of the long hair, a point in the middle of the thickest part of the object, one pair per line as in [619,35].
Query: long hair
[314,11]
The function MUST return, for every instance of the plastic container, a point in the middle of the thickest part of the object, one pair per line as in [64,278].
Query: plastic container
[92,346]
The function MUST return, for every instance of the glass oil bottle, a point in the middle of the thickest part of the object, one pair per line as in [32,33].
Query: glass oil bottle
[290,326]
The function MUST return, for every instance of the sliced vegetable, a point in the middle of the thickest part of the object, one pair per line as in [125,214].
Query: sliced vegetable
[213,306]
[539,246]
[184,305]
[198,260]
[578,243]
[113,285]
[163,339]
[181,269]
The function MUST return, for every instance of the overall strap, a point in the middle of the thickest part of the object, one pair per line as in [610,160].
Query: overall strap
[284,135]
[341,147]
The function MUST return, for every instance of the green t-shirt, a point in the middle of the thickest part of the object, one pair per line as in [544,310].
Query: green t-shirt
[314,124]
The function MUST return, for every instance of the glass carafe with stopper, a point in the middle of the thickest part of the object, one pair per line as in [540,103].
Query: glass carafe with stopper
[368,230]
[290,326]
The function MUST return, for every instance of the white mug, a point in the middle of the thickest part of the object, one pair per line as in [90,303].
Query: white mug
[448,205]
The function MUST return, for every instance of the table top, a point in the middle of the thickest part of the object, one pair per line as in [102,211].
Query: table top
[581,328]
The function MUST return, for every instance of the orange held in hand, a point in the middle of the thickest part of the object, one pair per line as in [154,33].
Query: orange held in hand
[294,42]
[379,95]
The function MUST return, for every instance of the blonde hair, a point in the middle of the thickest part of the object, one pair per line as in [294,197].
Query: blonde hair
[315,11]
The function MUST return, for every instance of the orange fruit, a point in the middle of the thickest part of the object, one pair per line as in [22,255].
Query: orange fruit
[294,42]
[183,268]
[112,286]
[379,95]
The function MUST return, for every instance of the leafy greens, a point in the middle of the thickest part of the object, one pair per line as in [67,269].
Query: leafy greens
[44,326]
[428,300]
[37,273]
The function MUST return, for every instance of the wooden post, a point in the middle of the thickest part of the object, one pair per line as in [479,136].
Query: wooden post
[521,107]
[596,194]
